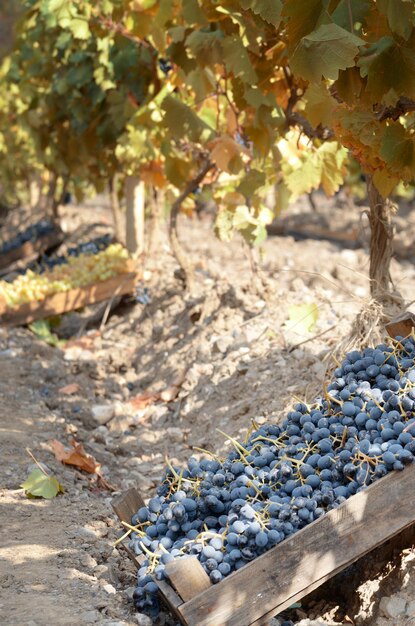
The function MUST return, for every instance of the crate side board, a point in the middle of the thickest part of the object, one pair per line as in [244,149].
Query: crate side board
[68,301]
[125,506]
[187,577]
[301,563]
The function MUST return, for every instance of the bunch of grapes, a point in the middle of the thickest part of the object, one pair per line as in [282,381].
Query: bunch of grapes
[91,247]
[229,511]
[78,271]
[31,233]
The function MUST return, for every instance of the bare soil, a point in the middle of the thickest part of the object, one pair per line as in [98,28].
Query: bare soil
[236,359]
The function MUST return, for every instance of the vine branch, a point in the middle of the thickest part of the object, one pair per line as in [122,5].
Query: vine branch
[176,247]
[404,105]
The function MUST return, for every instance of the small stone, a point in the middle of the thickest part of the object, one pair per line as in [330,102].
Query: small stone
[222,344]
[109,588]
[34,466]
[393,606]
[86,534]
[100,570]
[8,353]
[242,368]
[119,424]
[102,413]
[143,620]
[129,593]
[175,434]
[88,561]
[100,434]
[410,609]
[89,617]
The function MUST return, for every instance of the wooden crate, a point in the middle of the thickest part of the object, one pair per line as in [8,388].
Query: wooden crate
[285,574]
[31,249]
[68,301]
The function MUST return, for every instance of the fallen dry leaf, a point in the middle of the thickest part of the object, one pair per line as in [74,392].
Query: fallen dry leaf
[144,399]
[69,389]
[168,394]
[86,342]
[77,457]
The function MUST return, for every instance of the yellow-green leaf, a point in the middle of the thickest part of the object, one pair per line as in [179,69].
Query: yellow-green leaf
[302,317]
[182,121]
[39,485]
[237,60]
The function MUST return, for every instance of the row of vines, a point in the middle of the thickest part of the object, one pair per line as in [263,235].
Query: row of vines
[202,100]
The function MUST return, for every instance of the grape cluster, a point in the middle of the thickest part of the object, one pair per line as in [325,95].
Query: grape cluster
[229,511]
[79,271]
[90,247]
[31,233]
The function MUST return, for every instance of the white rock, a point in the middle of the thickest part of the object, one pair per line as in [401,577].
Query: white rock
[143,620]
[8,353]
[109,589]
[102,413]
[222,343]
[393,606]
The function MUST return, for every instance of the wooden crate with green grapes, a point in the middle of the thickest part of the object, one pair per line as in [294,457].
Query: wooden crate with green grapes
[78,282]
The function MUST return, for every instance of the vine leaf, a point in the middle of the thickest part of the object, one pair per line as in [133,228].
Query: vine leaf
[269,10]
[182,121]
[389,66]
[40,485]
[400,16]
[302,317]
[237,60]
[227,153]
[324,52]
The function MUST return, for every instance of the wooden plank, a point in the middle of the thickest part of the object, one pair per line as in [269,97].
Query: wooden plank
[68,301]
[31,248]
[171,598]
[312,231]
[401,325]
[311,556]
[187,576]
[127,505]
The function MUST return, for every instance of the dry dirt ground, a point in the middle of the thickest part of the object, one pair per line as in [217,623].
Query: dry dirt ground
[237,359]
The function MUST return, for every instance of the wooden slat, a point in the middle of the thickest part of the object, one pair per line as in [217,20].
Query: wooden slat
[127,505]
[187,576]
[312,231]
[304,561]
[69,301]
[171,598]
[31,248]
[401,325]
